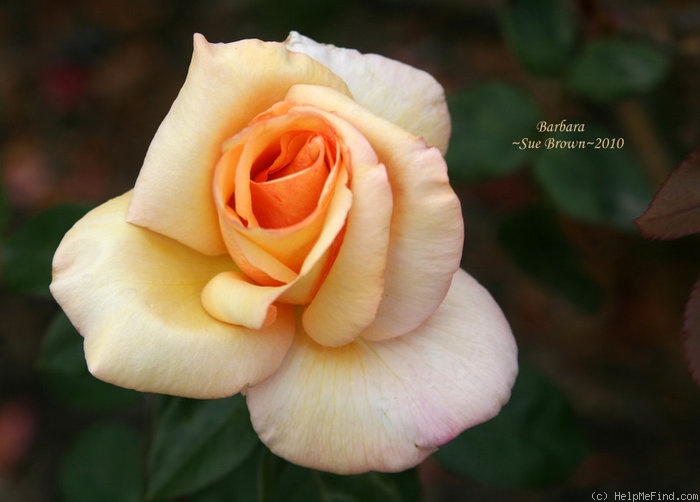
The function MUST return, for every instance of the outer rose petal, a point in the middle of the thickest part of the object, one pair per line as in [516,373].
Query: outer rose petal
[227,85]
[427,231]
[135,297]
[385,406]
[405,95]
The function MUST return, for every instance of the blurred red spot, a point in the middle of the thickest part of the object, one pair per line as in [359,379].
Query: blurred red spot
[65,86]
[18,424]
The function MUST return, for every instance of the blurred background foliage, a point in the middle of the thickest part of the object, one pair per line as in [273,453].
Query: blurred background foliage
[604,399]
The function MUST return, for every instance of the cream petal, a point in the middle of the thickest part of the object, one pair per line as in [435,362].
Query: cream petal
[347,300]
[349,296]
[135,297]
[252,257]
[405,95]
[427,230]
[226,86]
[231,298]
[385,406]
[426,242]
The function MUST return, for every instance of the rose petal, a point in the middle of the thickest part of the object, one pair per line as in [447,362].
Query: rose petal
[317,262]
[349,296]
[258,264]
[135,297]
[427,230]
[231,298]
[227,85]
[289,200]
[385,406]
[405,95]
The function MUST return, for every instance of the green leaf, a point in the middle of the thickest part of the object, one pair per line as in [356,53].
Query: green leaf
[305,16]
[264,477]
[198,442]
[486,122]
[612,68]
[103,465]
[281,480]
[29,252]
[62,350]
[368,487]
[534,442]
[241,485]
[64,369]
[600,186]
[535,242]
[541,33]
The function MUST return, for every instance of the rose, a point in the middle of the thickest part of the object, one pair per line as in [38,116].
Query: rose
[292,235]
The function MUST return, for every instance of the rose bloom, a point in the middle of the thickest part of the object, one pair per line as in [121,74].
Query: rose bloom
[293,236]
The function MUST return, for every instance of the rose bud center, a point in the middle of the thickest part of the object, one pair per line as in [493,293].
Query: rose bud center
[287,179]
[273,187]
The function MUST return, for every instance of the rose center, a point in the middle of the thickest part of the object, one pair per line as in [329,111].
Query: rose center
[274,186]
[287,179]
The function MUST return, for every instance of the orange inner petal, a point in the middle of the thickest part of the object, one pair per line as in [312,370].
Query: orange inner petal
[273,187]
[288,190]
